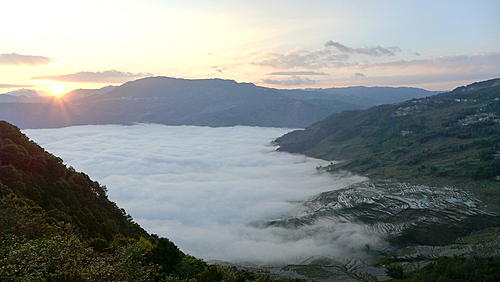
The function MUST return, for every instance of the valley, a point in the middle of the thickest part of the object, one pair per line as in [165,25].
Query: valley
[250,141]
[336,225]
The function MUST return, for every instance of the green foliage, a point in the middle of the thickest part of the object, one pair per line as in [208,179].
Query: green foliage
[98,244]
[190,267]
[65,195]
[459,269]
[395,271]
[219,273]
[66,277]
[165,254]
[65,256]
[57,224]
[22,217]
[211,273]
[452,138]
[440,234]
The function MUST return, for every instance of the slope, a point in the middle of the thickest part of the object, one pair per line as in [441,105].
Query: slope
[452,138]
[57,224]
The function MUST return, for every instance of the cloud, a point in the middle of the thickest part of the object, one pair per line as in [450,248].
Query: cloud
[438,73]
[303,59]
[29,60]
[297,73]
[376,51]
[444,71]
[110,76]
[15,86]
[326,57]
[433,72]
[293,80]
[218,69]
[211,189]
[443,81]
[478,61]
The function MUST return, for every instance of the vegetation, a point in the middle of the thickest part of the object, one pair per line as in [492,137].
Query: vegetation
[450,138]
[440,234]
[451,269]
[57,224]
[447,139]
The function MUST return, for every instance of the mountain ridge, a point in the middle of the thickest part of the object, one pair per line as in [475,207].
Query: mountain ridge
[173,101]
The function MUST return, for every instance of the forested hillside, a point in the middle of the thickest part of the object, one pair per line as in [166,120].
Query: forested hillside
[452,138]
[57,224]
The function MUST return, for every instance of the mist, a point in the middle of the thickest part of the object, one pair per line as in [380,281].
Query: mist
[210,190]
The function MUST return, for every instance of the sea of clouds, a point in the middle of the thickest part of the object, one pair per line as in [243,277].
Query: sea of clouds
[209,189]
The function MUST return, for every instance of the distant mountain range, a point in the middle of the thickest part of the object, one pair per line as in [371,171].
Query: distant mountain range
[22,96]
[361,96]
[204,102]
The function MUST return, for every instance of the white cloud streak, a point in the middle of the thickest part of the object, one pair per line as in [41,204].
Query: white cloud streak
[297,73]
[290,81]
[110,76]
[15,86]
[333,55]
[376,51]
[18,59]
[485,61]
[205,188]
[314,59]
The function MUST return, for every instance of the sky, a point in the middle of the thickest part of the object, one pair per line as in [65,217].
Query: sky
[210,190]
[57,46]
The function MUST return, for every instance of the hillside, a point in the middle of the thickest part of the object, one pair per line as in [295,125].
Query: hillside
[30,173]
[450,138]
[204,102]
[361,96]
[57,224]
[374,96]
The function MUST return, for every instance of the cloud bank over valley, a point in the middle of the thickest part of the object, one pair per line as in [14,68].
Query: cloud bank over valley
[210,190]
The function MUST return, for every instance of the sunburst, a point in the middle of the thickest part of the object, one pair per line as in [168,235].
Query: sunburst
[57,90]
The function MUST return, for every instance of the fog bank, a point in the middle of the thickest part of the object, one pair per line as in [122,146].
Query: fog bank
[207,189]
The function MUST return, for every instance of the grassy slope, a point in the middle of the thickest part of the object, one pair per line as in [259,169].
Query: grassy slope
[438,139]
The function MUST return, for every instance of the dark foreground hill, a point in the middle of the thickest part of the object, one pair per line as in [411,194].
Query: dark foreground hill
[57,224]
[204,102]
[452,137]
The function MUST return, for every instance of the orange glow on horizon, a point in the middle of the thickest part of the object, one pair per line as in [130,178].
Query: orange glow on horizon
[57,90]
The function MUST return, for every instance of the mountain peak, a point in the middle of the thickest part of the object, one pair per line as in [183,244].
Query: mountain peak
[28,93]
[166,79]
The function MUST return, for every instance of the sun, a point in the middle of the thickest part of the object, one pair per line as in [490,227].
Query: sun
[57,90]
